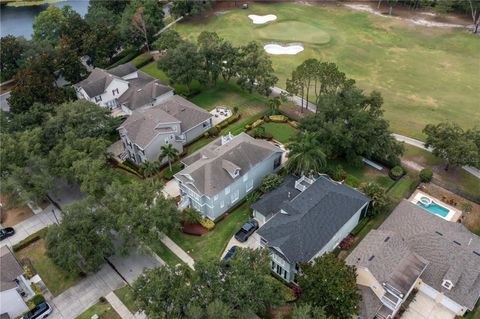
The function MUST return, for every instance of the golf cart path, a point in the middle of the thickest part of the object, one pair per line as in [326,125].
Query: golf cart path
[408,140]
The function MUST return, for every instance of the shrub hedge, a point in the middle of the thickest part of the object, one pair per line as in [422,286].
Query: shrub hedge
[426,175]
[175,169]
[38,299]
[142,60]
[396,172]
[278,118]
[207,223]
[30,239]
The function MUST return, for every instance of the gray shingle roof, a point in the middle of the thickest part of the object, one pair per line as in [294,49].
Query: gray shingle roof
[10,269]
[138,96]
[123,69]
[189,114]
[431,238]
[96,82]
[313,218]
[205,165]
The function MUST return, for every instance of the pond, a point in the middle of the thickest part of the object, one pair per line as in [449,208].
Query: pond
[18,21]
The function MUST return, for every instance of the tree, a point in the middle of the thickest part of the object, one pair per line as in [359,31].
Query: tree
[306,311]
[255,70]
[170,153]
[213,288]
[83,240]
[167,40]
[47,25]
[190,8]
[70,66]
[229,58]
[210,44]
[116,7]
[329,283]
[274,104]
[305,154]
[183,64]
[11,51]
[391,4]
[378,199]
[270,182]
[149,168]
[141,20]
[451,143]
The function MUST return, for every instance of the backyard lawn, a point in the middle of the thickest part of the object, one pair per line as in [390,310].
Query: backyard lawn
[281,132]
[364,173]
[56,279]
[103,310]
[125,294]
[212,245]
[406,63]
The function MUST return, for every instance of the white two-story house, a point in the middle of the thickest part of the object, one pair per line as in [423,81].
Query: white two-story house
[221,174]
[122,89]
[174,121]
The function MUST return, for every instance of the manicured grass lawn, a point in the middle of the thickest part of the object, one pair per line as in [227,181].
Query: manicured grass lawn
[212,245]
[475,314]
[103,309]
[56,279]
[426,75]
[152,70]
[282,132]
[166,254]
[364,173]
[455,178]
[125,294]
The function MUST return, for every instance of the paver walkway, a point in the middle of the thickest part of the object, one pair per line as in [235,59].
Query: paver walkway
[32,225]
[75,300]
[118,305]
[177,250]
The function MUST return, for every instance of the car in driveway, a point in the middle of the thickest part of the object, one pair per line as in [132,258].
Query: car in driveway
[40,311]
[6,232]
[246,231]
[230,253]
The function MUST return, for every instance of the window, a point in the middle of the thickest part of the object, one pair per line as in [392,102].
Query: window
[285,274]
[245,177]
[273,265]
[222,204]
[277,162]
[215,197]
[115,91]
[227,190]
[205,124]
[249,185]
[98,98]
[234,196]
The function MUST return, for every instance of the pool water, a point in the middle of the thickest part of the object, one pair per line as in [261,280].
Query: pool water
[434,208]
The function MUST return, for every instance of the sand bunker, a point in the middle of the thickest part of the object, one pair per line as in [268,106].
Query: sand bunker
[262,19]
[277,49]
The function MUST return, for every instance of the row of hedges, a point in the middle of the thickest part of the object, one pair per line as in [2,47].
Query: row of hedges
[29,240]
[215,131]
[125,56]
[142,60]
[129,168]
[274,119]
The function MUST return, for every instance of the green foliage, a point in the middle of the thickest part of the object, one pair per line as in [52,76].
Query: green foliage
[170,153]
[190,8]
[396,172]
[125,56]
[142,60]
[453,144]
[29,240]
[167,40]
[278,118]
[38,299]
[207,223]
[175,169]
[128,168]
[305,154]
[253,197]
[307,311]
[337,173]
[426,175]
[255,71]
[214,131]
[338,293]
[148,169]
[270,182]
[379,201]
[259,132]
[191,216]
[167,292]
[11,51]
[352,181]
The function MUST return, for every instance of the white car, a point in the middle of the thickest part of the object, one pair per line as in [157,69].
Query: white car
[39,312]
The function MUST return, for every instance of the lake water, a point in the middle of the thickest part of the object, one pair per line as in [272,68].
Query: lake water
[18,21]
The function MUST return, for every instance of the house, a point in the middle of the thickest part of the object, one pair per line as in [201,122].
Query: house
[415,249]
[122,89]
[305,218]
[14,288]
[222,173]
[174,121]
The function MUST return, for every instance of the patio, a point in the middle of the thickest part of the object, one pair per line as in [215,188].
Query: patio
[220,113]
[424,307]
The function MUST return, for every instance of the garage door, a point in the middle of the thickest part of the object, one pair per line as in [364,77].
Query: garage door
[429,291]
[452,305]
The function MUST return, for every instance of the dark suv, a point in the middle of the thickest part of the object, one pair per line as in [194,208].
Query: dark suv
[6,232]
[247,229]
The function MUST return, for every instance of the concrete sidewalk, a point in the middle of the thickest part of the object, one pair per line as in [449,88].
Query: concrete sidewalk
[177,250]
[33,225]
[118,305]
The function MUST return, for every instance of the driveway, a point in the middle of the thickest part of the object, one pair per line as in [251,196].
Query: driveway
[424,307]
[252,242]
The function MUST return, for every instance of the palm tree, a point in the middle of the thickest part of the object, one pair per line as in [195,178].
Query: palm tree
[305,154]
[274,104]
[149,168]
[170,153]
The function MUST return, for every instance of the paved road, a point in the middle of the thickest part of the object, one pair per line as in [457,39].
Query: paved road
[33,225]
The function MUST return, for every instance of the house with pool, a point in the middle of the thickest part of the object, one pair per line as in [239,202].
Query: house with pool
[415,249]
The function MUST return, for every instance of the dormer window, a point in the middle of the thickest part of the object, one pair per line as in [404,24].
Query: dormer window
[98,98]
[115,91]
[447,284]
[231,168]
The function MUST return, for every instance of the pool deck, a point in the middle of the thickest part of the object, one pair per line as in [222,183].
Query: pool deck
[454,214]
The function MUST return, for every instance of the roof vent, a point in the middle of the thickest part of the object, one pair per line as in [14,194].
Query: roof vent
[371,257]
[439,233]
[447,284]
[456,242]
[386,239]
[476,253]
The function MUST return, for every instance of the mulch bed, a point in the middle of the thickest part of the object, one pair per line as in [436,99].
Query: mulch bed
[194,229]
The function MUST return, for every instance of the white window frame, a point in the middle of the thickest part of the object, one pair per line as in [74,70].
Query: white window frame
[249,185]
[222,203]
[235,196]
[215,197]
[245,177]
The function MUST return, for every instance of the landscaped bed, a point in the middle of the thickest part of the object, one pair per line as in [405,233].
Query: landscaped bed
[103,310]
[212,245]
[56,279]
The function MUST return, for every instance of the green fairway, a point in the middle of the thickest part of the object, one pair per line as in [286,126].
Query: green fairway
[426,75]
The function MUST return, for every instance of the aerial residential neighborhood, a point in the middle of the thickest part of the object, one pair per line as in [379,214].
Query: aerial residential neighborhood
[226,159]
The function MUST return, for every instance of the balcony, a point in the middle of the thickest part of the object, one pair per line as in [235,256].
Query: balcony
[303,183]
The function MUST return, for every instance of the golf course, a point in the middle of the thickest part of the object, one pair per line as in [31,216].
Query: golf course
[425,74]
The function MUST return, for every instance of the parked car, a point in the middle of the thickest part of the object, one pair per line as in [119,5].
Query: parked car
[6,232]
[39,312]
[230,253]
[247,229]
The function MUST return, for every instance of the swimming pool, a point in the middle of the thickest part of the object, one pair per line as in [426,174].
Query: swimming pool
[434,208]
